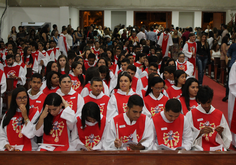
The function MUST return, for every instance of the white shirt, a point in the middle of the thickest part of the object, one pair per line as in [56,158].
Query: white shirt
[21,75]
[110,137]
[187,138]
[190,67]
[186,52]
[197,144]
[61,45]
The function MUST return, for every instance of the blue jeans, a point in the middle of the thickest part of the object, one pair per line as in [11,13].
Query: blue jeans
[201,63]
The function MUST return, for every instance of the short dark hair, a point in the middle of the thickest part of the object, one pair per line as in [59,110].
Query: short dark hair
[191,34]
[170,69]
[91,55]
[205,93]
[9,56]
[37,75]
[135,100]
[174,105]
[95,79]
[126,60]
[132,67]
[153,64]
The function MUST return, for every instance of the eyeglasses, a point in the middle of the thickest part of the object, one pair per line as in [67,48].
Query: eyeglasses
[160,89]
[22,98]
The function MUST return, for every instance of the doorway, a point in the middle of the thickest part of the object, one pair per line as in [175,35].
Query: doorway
[214,19]
[91,17]
[150,18]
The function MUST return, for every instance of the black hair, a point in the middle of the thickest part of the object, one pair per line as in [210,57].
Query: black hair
[153,64]
[170,69]
[48,68]
[73,66]
[152,83]
[95,79]
[71,54]
[205,94]
[174,105]
[225,40]
[102,58]
[105,69]
[67,67]
[37,75]
[177,74]
[9,56]
[135,100]
[153,59]
[91,73]
[51,99]
[25,56]
[180,54]
[112,54]
[185,90]
[123,73]
[146,50]
[139,55]
[63,76]
[168,61]
[91,55]
[13,106]
[49,76]
[132,67]
[90,109]
[126,60]
[163,64]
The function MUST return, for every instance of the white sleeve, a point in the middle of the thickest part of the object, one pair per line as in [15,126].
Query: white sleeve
[146,111]
[139,87]
[3,136]
[170,41]
[100,144]
[112,109]
[28,129]
[52,56]
[58,53]
[190,68]
[105,88]
[22,76]
[84,92]
[160,40]
[187,139]
[226,134]
[110,136]
[69,115]
[3,83]
[75,140]
[186,52]
[148,134]
[113,82]
[40,131]
[80,104]
[143,74]
[61,45]
[35,68]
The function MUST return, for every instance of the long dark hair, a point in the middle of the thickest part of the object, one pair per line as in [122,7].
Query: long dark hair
[91,73]
[123,73]
[25,56]
[177,74]
[105,69]
[49,76]
[80,77]
[185,91]
[67,67]
[90,109]
[13,106]
[63,76]
[112,55]
[164,64]
[152,83]
[49,68]
[55,100]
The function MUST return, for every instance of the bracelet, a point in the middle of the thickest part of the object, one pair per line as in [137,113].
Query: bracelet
[26,121]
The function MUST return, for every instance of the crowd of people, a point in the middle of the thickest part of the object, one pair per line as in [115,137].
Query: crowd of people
[130,89]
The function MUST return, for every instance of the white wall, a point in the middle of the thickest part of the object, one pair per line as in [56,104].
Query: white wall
[129,18]
[74,16]
[186,19]
[197,19]
[175,18]
[107,18]
[118,17]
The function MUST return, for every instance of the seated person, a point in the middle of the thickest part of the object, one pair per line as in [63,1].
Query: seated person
[172,128]
[89,130]
[209,126]
[131,126]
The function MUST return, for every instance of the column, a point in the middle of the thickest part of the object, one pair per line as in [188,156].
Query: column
[64,16]
[197,19]
[107,18]
[129,18]
[175,18]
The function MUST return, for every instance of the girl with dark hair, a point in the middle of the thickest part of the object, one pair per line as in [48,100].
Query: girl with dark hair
[28,59]
[154,100]
[105,75]
[55,123]
[43,57]
[63,65]
[175,91]
[77,76]
[16,131]
[52,83]
[188,98]
[19,62]
[91,124]
[118,101]
[182,64]
[73,98]
[91,73]
[164,64]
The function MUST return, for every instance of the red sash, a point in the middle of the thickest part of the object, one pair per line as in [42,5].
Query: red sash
[134,83]
[126,131]
[155,106]
[164,43]
[14,135]
[192,47]
[200,120]
[90,135]
[169,134]
[38,103]
[102,103]
[72,101]
[174,94]
[12,71]
[58,134]
[76,84]
[47,91]
[144,81]
[182,66]
[192,103]
[64,41]
[121,101]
